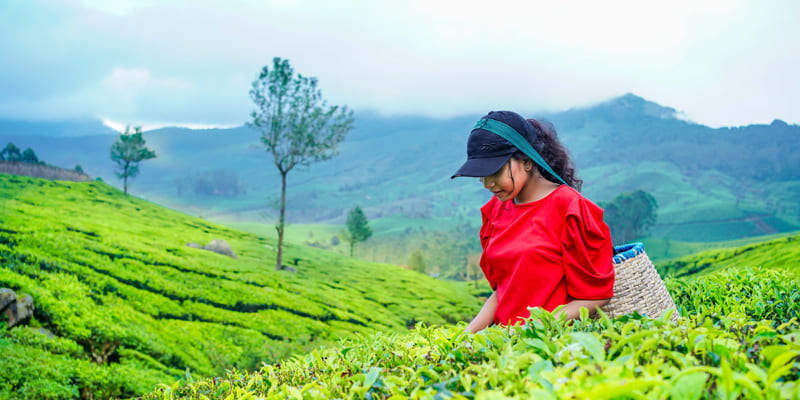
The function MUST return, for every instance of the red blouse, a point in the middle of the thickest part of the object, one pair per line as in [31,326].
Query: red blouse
[545,253]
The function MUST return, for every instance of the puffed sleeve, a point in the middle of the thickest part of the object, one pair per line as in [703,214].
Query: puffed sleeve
[485,235]
[587,252]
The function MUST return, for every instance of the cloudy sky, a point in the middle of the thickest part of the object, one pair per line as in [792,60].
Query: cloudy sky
[146,62]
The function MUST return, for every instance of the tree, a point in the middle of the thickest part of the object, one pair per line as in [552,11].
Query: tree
[358,229]
[218,182]
[11,153]
[127,152]
[416,262]
[297,127]
[29,156]
[630,215]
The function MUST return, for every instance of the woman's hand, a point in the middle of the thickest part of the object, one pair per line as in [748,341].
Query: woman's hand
[573,308]
[485,317]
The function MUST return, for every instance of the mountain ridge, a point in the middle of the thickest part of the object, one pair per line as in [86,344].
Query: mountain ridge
[400,165]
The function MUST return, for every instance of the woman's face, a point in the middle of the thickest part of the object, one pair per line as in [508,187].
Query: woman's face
[506,183]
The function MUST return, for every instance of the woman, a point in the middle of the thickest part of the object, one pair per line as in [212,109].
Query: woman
[544,245]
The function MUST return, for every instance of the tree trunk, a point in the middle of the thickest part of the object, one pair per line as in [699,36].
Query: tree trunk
[101,355]
[352,244]
[125,179]
[278,265]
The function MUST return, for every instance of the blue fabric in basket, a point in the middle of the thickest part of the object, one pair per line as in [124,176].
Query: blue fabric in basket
[627,251]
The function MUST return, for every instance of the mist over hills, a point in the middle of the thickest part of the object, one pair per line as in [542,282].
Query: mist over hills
[55,129]
[711,184]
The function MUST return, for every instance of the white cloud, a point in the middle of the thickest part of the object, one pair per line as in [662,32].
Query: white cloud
[115,125]
[118,7]
[120,126]
[721,62]
[126,84]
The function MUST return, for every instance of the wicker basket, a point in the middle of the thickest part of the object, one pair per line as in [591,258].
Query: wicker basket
[637,285]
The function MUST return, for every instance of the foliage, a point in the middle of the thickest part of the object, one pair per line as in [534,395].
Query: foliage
[758,293]
[416,262]
[705,355]
[447,252]
[127,152]
[37,367]
[297,127]
[29,156]
[10,153]
[358,229]
[218,182]
[446,245]
[130,305]
[630,215]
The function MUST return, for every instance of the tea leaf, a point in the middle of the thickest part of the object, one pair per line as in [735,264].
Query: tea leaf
[590,343]
[689,386]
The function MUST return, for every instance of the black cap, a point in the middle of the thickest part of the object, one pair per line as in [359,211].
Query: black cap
[488,152]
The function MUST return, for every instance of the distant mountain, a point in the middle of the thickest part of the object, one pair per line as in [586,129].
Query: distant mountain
[711,184]
[645,131]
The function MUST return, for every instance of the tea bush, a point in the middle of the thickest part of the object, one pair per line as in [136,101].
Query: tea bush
[758,293]
[727,348]
[781,253]
[129,305]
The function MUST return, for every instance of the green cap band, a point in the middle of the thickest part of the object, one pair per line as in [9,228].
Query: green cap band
[508,133]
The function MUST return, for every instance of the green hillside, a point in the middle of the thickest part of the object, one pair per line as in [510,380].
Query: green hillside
[445,245]
[113,281]
[782,253]
[397,169]
[662,250]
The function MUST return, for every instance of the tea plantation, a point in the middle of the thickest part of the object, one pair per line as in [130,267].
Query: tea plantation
[122,304]
[130,310]
[739,338]
[782,253]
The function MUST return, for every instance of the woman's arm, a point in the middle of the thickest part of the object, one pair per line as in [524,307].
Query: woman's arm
[573,308]
[486,316]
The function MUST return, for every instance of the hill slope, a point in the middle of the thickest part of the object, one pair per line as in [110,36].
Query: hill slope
[114,282]
[400,166]
[780,254]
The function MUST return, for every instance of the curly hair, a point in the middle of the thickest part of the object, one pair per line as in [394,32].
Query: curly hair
[556,155]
